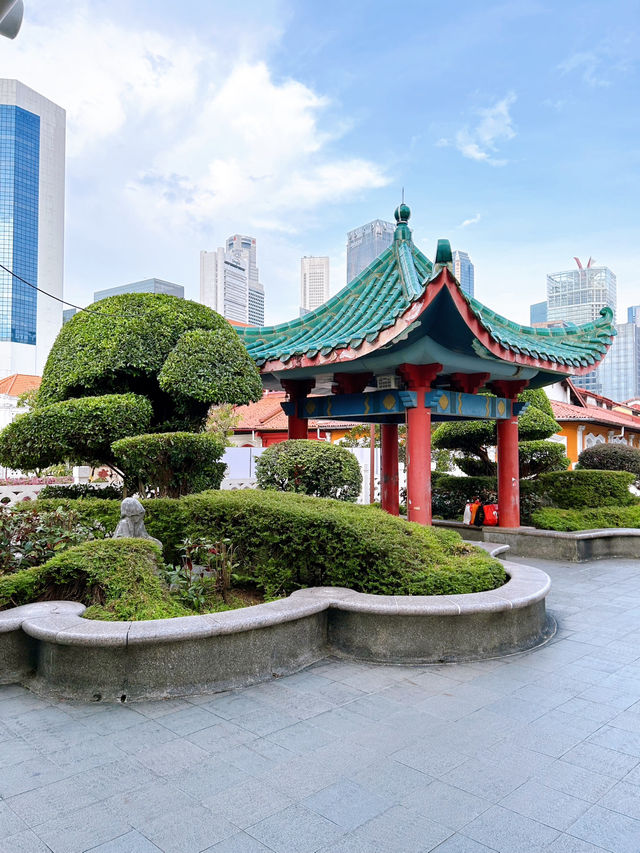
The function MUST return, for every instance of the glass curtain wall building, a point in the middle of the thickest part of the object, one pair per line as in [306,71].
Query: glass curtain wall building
[364,244]
[240,243]
[619,372]
[229,281]
[464,271]
[32,151]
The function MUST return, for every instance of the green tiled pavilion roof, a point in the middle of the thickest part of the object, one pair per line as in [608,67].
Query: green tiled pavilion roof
[370,303]
[382,293]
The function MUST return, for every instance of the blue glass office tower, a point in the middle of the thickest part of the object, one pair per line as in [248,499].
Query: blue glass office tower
[32,153]
[19,196]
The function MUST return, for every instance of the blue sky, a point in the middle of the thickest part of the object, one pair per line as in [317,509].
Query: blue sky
[514,128]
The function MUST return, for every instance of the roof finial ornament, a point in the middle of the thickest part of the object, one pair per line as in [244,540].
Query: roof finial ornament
[402,212]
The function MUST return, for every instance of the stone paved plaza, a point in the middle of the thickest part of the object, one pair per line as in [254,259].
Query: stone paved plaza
[538,751]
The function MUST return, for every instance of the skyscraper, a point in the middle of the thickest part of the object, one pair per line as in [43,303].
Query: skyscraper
[32,159]
[619,371]
[224,284]
[147,285]
[577,296]
[314,282]
[240,243]
[463,270]
[364,244]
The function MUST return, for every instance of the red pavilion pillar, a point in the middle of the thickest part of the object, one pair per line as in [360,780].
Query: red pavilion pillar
[389,483]
[508,459]
[419,378]
[297,389]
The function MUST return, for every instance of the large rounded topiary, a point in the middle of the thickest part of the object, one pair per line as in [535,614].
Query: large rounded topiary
[310,468]
[177,356]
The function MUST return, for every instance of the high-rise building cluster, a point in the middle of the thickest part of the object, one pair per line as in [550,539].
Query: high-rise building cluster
[32,163]
[577,296]
[230,282]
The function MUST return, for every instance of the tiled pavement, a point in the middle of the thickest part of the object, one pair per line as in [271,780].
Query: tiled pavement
[538,751]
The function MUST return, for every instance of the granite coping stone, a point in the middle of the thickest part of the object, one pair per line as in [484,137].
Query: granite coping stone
[62,622]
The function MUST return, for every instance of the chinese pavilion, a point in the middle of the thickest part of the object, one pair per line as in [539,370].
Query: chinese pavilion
[402,343]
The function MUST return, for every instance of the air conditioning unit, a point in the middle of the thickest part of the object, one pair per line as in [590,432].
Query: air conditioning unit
[388,382]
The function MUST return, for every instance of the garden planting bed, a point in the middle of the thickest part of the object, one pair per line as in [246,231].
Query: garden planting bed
[576,546]
[50,648]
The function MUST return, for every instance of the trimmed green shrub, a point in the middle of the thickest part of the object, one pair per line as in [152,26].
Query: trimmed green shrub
[583,488]
[285,541]
[474,438]
[171,464]
[115,578]
[121,342]
[552,518]
[450,494]
[611,457]
[77,431]
[213,366]
[311,468]
[72,491]
[539,457]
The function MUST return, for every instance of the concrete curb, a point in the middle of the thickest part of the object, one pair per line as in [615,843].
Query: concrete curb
[51,648]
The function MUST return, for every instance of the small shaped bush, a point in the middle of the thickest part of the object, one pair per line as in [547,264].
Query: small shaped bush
[311,468]
[170,464]
[612,457]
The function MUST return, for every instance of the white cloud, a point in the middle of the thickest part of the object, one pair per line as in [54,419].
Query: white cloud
[256,145]
[472,221]
[481,142]
[195,138]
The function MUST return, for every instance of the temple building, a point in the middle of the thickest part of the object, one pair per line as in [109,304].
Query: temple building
[402,343]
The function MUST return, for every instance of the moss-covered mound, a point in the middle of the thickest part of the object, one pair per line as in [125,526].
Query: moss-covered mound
[115,578]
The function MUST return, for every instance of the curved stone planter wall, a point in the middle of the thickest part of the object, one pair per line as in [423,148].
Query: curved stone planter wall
[50,647]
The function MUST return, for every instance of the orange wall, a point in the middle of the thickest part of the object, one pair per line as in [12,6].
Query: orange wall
[570,431]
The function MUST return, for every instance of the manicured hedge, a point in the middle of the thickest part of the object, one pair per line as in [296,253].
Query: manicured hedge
[286,541]
[310,468]
[552,518]
[81,490]
[115,578]
[171,463]
[450,494]
[582,488]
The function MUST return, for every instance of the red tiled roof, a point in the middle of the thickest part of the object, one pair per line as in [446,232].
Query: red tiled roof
[593,414]
[18,383]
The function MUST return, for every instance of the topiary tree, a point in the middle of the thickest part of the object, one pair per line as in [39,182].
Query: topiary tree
[170,464]
[311,468]
[174,356]
[474,438]
[612,457]
[80,430]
